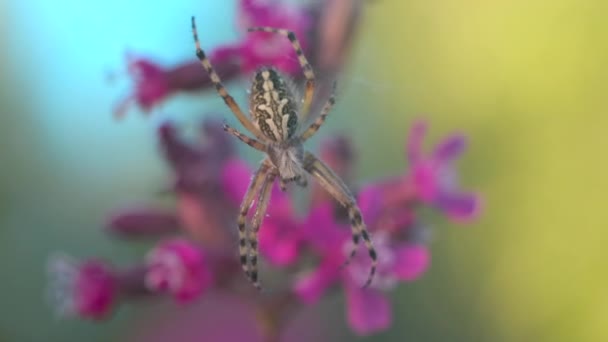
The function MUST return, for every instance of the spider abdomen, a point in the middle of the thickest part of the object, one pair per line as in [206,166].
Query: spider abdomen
[273,105]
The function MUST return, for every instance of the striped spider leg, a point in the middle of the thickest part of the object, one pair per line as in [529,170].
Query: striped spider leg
[339,191]
[275,110]
[215,79]
[258,180]
[258,216]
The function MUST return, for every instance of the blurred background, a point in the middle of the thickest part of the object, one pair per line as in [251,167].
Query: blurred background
[525,80]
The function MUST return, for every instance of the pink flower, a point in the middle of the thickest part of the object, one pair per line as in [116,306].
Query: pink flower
[197,167]
[153,84]
[368,310]
[389,206]
[433,176]
[142,222]
[209,184]
[86,289]
[178,268]
[235,177]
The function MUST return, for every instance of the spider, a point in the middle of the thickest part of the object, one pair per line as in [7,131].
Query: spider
[274,108]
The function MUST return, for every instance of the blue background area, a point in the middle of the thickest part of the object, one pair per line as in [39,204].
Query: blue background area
[66,162]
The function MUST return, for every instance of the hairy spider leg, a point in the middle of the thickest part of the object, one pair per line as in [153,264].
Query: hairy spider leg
[334,185]
[314,127]
[247,140]
[215,78]
[258,217]
[254,187]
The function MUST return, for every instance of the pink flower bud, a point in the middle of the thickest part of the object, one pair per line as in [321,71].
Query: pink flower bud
[179,268]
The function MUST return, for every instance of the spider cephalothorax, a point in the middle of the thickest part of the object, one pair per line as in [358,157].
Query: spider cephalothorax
[275,110]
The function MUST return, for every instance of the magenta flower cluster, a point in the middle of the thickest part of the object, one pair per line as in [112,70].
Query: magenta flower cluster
[196,254]
[153,84]
[209,182]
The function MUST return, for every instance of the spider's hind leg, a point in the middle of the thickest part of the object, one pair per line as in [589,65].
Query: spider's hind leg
[258,217]
[254,187]
[338,190]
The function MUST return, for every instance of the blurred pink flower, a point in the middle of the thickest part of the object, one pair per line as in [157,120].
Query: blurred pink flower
[209,181]
[368,309]
[434,178]
[153,83]
[150,88]
[197,166]
[178,268]
[235,179]
[85,289]
[137,222]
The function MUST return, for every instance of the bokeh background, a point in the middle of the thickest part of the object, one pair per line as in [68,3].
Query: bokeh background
[526,80]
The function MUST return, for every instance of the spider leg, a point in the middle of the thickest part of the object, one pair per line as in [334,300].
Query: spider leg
[306,67]
[337,189]
[215,78]
[258,217]
[314,127]
[256,183]
[247,140]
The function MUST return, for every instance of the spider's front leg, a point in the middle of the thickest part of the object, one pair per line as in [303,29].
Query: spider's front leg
[247,140]
[314,127]
[215,78]
[338,190]
[254,187]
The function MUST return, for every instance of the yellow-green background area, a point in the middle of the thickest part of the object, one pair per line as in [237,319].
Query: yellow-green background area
[526,80]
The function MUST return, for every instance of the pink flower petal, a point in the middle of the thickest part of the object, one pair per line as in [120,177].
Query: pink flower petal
[96,290]
[143,222]
[226,54]
[461,207]
[280,234]
[323,232]
[180,268]
[369,200]
[450,148]
[311,286]
[415,141]
[411,262]
[368,310]
[151,85]
[236,176]
[425,182]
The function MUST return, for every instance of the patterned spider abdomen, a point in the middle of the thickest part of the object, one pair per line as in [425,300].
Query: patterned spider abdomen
[273,105]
